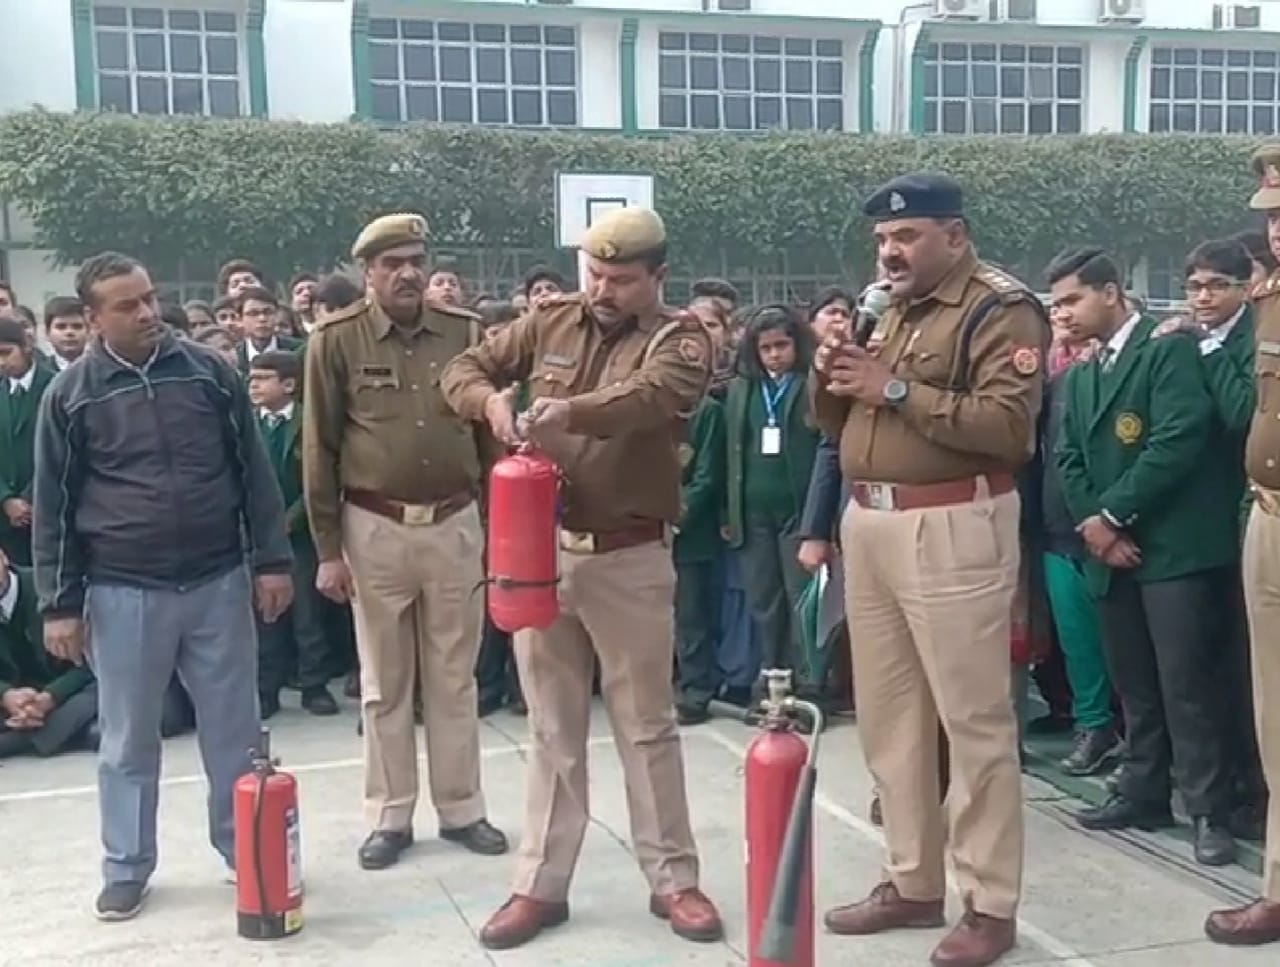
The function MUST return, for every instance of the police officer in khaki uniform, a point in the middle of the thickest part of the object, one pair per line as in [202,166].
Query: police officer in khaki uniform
[933,423]
[390,477]
[612,376]
[1259,922]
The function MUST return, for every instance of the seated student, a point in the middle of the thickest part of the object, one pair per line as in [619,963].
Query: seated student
[258,310]
[23,379]
[46,705]
[66,330]
[221,341]
[273,383]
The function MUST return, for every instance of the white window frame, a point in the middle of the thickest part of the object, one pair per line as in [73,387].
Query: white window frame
[1006,65]
[1263,63]
[759,54]
[435,87]
[168,8]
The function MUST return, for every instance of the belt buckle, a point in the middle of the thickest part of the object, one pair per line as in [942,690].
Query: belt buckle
[418,515]
[1267,501]
[577,542]
[880,496]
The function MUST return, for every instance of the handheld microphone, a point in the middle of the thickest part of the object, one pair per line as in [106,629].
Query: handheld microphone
[872,304]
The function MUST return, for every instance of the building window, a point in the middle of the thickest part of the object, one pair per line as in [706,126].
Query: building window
[153,61]
[736,82]
[1209,91]
[482,73]
[1003,89]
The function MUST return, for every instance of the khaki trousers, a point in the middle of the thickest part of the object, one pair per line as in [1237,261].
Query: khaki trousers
[417,612]
[1262,598]
[617,606]
[929,596]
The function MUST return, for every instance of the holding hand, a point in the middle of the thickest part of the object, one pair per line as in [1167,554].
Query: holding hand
[856,374]
[502,419]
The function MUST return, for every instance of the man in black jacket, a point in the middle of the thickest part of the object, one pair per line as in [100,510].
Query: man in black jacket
[152,491]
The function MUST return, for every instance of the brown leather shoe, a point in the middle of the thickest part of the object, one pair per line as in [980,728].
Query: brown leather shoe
[521,919]
[976,941]
[884,909]
[690,913]
[1251,926]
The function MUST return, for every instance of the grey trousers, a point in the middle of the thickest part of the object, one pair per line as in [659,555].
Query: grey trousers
[138,637]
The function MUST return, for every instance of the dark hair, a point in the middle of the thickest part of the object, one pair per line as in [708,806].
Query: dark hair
[714,289]
[233,267]
[256,293]
[301,277]
[1092,265]
[336,292]
[497,314]
[28,314]
[828,295]
[206,333]
[225,302]
[1255,242]
[1222,256]
[291,320]
[762,319]
[197,305]
[13,332]
[9,289]
[60,306]
[540,272]
[284,364]
[99,268]
[175,317]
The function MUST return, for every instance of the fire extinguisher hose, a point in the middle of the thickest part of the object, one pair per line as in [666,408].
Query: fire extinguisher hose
[257,848]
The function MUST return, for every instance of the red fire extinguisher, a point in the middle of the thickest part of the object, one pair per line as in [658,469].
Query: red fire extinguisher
[268,849]
[780,782]
[524,546]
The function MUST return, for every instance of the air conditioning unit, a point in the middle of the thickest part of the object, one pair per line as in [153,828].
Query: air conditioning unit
[726,6]
[1123,11]
[1236,16]
[963,9]
[1016,11]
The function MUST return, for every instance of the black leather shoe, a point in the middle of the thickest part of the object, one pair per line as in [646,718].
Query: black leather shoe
[692,714]
[268,704]
[1121,813]
[480,837]
[489,704]
[318,701]
[383,848]
[1214,845]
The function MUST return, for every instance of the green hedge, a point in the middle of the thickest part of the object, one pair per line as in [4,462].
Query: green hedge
[295,195]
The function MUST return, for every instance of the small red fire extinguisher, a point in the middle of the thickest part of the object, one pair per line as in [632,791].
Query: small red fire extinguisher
[268,849]
[780,781]
[524,545]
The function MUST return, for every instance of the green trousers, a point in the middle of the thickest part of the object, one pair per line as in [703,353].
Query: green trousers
[1075,615]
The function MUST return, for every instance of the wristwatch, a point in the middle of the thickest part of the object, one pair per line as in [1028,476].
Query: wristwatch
[895,391]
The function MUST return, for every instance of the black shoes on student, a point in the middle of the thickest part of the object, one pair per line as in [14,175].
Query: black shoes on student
[120,901]
[318,701]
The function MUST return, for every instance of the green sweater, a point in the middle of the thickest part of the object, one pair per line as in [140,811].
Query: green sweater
[702,476]
[18,434]
[284,447]
[23,661]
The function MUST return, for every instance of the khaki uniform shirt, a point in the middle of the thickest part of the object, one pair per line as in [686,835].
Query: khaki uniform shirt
[375,418]
[1262,453]
[953,424]
[626,414]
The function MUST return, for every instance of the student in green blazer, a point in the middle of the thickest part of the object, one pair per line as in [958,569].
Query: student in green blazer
[1218,279]
[771,449]
[1151,492]
[299,634]
[698,549]
[23,380]
[258,310]
[46,705]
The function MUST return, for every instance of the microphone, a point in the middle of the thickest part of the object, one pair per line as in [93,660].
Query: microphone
[872,304]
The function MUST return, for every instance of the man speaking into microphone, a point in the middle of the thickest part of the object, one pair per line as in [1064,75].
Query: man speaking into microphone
[934,418]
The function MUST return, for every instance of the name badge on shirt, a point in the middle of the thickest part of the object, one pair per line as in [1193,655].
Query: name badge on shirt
[376,372]
[771,441]
[563,362]
[1269,348]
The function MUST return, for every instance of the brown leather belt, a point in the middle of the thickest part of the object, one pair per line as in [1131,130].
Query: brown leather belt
[891,496]
[602,542]
[411,515]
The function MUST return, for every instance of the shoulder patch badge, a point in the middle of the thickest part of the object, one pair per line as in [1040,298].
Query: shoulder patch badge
[1128,428]
[1026,360]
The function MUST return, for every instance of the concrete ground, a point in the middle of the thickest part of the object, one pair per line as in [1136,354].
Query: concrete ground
[1091,901]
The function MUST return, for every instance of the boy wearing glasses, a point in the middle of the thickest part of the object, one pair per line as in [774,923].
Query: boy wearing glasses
[258,309]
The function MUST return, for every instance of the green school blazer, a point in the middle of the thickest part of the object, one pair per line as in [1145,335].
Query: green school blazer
[1139,442]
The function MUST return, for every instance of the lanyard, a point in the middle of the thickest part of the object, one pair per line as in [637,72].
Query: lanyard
[771,400]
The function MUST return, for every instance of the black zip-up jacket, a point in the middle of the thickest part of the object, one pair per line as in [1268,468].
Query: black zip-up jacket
[152,477]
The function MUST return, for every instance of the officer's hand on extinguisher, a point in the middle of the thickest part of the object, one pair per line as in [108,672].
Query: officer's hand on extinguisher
[333,580]
[502,418]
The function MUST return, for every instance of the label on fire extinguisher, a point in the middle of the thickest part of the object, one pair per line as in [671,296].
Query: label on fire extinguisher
[293,851]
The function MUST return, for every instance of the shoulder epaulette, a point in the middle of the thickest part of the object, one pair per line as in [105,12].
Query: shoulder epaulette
[1270,288]
[343,315]
[460,312]
[1003,284]
[562,299]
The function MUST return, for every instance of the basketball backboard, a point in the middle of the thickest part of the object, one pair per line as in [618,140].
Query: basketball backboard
[581,199]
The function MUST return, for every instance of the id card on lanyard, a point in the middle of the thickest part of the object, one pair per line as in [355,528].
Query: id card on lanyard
[771,433]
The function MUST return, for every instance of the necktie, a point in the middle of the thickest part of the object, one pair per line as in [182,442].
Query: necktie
[18,391]
[1107,358]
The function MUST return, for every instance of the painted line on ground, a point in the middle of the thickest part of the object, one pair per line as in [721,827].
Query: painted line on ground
[324,765]
[1064,952]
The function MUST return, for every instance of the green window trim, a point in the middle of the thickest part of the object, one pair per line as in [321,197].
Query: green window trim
[627,75]
[256,52]
[1131,61]
[82,48]
[867,81]
[915,119]
[361,75]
